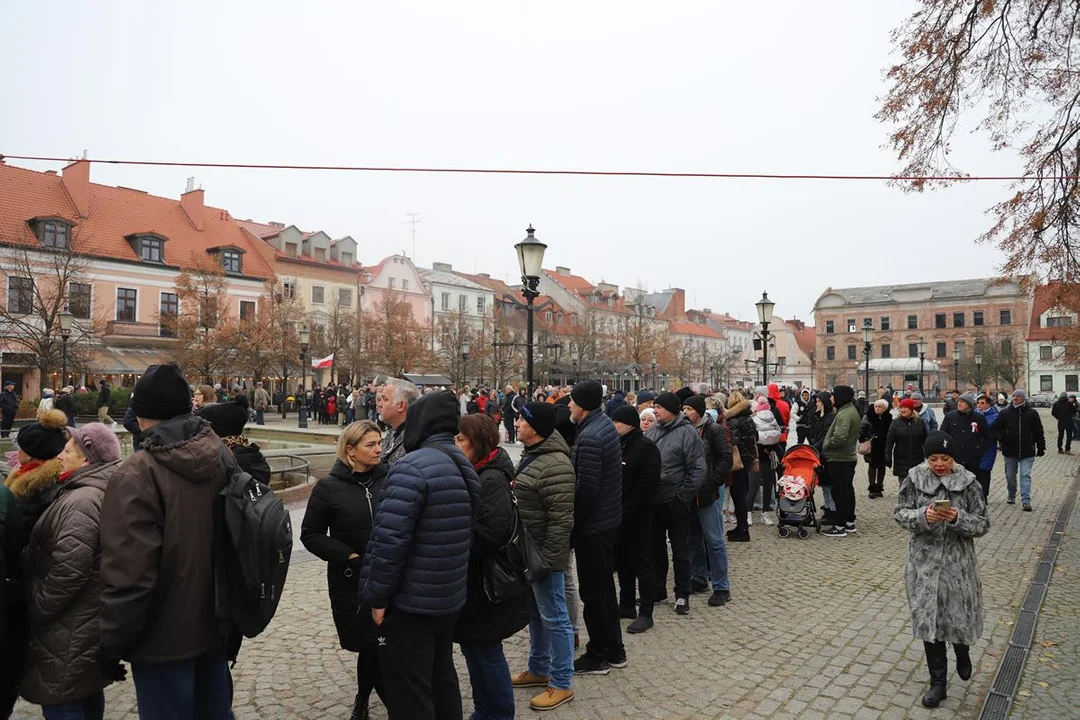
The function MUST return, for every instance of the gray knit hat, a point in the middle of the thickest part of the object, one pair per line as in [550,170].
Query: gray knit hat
[968,398]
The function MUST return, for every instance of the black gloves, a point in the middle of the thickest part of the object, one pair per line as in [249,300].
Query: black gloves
[111,668]
[1040,452]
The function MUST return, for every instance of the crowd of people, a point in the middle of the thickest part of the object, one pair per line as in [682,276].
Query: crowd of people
[426,526]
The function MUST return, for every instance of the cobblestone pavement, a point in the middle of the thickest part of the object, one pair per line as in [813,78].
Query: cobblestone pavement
[1048,687]
[817,628]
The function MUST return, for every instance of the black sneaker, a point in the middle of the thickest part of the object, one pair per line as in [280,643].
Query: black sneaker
[588,665]
[1027,507]
[739,536]
[849,528]
[835,532]
[1011,501]
[719,597]
[619,664]
[697,586]
[682,606]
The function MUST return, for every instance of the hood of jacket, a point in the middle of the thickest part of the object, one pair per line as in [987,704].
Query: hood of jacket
[630,438]
[27,485]
[740,408]
[501,462]
[186,446]
[432,414]
[826,401]
[842,395]
[95,476]
[774,391]
[927,481]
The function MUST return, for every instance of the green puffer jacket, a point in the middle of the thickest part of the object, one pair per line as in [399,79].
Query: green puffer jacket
[545,497]
[842,436]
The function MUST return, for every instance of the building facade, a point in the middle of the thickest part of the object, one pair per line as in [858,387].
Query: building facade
[1051,367]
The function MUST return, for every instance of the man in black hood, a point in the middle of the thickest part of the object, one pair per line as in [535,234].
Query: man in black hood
[416,565]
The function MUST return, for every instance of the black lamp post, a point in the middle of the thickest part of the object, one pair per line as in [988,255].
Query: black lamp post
[65,334]
[922,360]
[956,367]
[764,311]
[652,379]
[573,364]
[464,365]
[531,261]
[978,371]
[867,335]
[712,377]
[302,411]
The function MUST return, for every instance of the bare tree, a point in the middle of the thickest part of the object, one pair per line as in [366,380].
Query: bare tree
[398,342]
[269,341]
[1003,59]
[206,333]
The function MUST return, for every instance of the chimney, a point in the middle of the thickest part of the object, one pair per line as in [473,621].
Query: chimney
[707,311]
[562,270]
[190,185]
[677,308]
[442,267]
[76,179]
[192,204]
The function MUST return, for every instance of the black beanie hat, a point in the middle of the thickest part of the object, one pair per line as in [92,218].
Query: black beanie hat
[587,395]
[162,393]
[45,439]
[683,393]
[697,402]
[227,418]
[627,415]
[670,402]
[939,443]
[540,416]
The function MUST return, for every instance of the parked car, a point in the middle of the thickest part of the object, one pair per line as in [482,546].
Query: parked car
[1042,400]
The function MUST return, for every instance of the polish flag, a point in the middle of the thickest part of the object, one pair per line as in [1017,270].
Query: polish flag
[323,363]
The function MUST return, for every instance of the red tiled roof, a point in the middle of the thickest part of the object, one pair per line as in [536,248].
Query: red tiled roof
[573,283]
[805,336]
[1046,298]
[114,213]
[262,230]
[685,327]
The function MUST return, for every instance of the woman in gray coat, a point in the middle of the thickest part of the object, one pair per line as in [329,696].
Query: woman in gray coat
[942,505]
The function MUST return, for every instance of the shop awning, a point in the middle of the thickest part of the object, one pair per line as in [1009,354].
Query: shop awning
[426,380]
[125,361]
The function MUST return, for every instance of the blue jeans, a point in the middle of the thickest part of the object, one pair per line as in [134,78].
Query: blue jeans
[91,707]
[707,535]
[195,689]
[260,417]
[551,639]
[826,495]
[1024,464]
[489,675]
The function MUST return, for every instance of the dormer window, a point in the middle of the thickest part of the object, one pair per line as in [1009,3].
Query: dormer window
[52,232]
[231,261]
[151,249]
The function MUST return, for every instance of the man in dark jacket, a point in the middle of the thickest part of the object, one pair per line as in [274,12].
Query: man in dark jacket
[707,523]
[904,443]
[682,473]
[597,458]
[157,557]
[1019,431]
[969,431]
[1064,411]
[838,450]
[950,403]
[416,565]
[104,396]
[640,475]
[9,407]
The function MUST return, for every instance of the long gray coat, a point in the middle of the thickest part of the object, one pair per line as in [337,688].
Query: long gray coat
[942,573]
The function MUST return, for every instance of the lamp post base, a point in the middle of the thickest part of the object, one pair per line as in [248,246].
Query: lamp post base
[302,415]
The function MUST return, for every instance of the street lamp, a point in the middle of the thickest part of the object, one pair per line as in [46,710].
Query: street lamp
[922,359]
[305,336]
[712,377]
[978,371]
[653,380]
[531,261]
[573,363]
[956,367]
[65,334]
[764,312]
[464,365]
[867,335]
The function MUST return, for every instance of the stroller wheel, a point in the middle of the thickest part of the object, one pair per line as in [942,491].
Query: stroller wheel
[782,531]
[803,533]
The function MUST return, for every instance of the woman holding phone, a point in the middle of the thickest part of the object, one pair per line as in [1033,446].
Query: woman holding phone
[942,505]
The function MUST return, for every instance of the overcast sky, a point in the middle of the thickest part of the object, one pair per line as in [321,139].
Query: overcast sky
[680,86]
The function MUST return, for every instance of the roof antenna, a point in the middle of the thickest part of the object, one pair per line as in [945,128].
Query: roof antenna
[190,185]
[84,154]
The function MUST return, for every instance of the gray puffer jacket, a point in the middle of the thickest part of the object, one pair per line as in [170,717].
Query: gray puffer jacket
[63,583]
[682,459]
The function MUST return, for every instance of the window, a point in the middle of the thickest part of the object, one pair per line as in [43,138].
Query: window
[851,325]
[288,289]
[782,361]
[344,297]
[391,283]
[1006,347]
[939,320]
[1058,321]
[446,301]
[885,323]
[346,258]
[168,311]
[151,250]
[959,347]
[20,297]
[958,319]
[230,260]
[318,294]
[1071,383]
[939,350]
[547,315]
[886,350]
[1046,383]
[977,318]
[462,304]
[126,303]
[290,249]
[868,321]
[480,304]
[1046,352]
[830,353]
[913,350]
[830,328]
[79,300]
[405,283]
[1005,317]
[852,353]
[53,234]
[912,322]
[247,310]
[320,255]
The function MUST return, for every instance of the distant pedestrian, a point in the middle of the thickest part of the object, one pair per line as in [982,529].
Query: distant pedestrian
[969,431]
[1064,411]
[904,443]
[875,428]
[104,397]
[395,397]
[925,413]
[989,411]
[9,407]
[262,403]
[65,401]
[838,449]
[1019,432]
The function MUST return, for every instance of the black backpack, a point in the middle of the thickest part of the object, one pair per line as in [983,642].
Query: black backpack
[253,544]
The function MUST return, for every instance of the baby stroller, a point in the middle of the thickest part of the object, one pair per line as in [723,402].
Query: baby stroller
[795,491]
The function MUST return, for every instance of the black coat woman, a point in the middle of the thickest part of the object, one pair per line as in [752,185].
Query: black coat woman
[875,428]
[336,528]
[483,625]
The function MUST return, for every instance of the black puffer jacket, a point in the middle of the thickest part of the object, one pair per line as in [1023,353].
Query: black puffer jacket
[821,422]
[904,444]
[343,504]
[875,428]
[481,619]
[252,461]
[1019,431]
[597,458]
[740,422]
[640,473]
[718,458]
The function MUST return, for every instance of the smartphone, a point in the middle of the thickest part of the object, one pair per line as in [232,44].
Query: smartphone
[940,505]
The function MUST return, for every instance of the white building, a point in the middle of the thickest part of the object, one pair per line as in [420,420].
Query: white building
[458,301]
[1049,371]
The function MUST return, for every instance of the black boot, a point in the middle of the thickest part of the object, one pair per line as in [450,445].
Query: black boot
[359,708]
[963,661]
[937,661]
[627,609]
[644,619]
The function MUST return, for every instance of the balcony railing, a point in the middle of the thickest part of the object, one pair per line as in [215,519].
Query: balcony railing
[120,328]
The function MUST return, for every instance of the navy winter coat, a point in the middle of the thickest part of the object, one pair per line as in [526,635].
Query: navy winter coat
[418,556]
[597,459]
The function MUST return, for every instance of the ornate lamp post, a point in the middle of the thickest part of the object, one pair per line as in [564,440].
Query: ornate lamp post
[65,334]
[573,364]
[764,312]
[956,367]
[531,261]
[652,378]
[978,371]
[867,335]
[922,360]
[305,336]
[464,365]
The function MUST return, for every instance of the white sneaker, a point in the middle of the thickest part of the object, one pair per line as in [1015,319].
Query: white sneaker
[766,520]
[749,519]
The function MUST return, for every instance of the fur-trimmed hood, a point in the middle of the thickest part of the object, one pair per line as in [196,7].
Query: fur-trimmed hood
[29,485]
[740,408]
